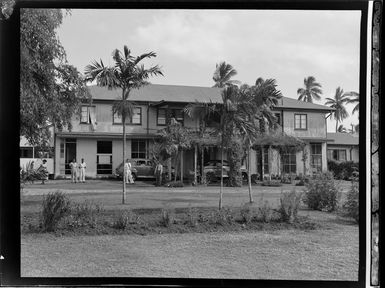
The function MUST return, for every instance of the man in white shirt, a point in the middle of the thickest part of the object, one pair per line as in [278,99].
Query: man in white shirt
[82,171]
[74,169]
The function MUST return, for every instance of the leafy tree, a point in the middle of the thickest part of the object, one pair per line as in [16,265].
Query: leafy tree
[127,74]
[222,75]
[174,139]
[6,8]
[341,129]
[311,91]
[338,103]
[50,88]
[354,98]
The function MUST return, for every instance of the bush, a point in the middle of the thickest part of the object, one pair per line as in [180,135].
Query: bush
[167,217]
[290,202]
[343,170]
[351,205]
[255,178]
[174,184]
[265,212]
[223,216]
[272,183]
[85,214]
[322,192]
[192,216]
[55,207]
[121,221]
[247,213]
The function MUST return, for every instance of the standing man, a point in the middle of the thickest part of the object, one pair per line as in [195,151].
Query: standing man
[82,170]
[74,167]
[126,171]
[158,173]
[44,171]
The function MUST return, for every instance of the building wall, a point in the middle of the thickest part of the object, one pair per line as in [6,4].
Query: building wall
[316,125]
[86,149]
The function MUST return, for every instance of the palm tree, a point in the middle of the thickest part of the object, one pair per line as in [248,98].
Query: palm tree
[341,129]
[312,90]
[354,98]
[222,74]
[338,103]
[126,74]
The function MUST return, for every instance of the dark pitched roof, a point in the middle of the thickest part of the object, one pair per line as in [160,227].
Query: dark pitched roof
[342,139]
[177,93]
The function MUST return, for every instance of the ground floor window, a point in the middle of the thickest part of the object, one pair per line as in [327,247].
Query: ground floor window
[104,157]
[316,157]
[139,149]
[289,163]
[26,152]
[337,154]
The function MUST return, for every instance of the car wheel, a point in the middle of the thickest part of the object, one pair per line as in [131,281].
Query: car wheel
[134,176]
[244,177]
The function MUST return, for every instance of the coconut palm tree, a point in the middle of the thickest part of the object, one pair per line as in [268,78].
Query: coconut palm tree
[127,74]
[338,103]
[222,75]
[354,98]
[311,91]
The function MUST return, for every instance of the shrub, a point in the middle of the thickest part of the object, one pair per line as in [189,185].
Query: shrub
[255,178]
[167,217]
[322,192]
[55,206]
[192,216]
[121,221]
[265,212]
[290,202]
[174,184]
[343,170]
[223,216]
[85,214]
[247,213]
[351,205]
[272,183]
[286,179]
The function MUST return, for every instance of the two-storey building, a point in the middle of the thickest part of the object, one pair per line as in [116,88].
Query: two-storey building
[96,134]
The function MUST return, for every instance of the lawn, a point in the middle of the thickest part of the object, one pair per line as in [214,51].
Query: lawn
[329,252]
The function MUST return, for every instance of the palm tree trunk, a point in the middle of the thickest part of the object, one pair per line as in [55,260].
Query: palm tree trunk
[336,125]
[221,189]
[203,176]
[262,163]
[181,165]
[249,172]
[124,158]
[195,163]
[169,168]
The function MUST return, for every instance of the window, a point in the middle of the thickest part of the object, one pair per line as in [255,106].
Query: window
[161,118]
[136,118]
[138,149]
[26,152]
[85,116]
[316,157]
[289,163]
[104,157]
[337,154]
[300,121]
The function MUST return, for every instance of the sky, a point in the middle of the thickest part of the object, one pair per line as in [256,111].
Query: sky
[286,45]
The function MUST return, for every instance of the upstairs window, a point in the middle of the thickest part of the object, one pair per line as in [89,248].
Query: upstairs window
[161,118]
[178,115]
[87,115]
[300,121]
[136,118]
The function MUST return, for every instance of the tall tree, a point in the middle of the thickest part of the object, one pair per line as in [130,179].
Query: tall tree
[127,74]
[341,129]
[311,91]
[354,98]
[223,74]
[338,103]
[50,88]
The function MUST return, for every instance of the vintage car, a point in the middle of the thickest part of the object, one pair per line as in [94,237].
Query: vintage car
[140,168]
[212,170]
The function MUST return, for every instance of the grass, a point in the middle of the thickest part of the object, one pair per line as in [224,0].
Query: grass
[262,251]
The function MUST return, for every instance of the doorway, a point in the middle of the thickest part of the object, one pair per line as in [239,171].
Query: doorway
[70,153]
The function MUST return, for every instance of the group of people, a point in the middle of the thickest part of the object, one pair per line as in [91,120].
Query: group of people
[78,171]
[128,173]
